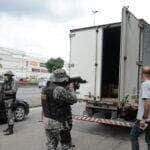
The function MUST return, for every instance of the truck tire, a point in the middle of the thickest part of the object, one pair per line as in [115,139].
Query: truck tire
[89,112]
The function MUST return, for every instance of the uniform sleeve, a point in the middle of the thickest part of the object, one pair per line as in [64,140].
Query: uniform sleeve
[145,91]
[72,95]
[63,95]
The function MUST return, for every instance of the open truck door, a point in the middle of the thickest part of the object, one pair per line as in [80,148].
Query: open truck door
[130,57]
[94,46]
[85,60]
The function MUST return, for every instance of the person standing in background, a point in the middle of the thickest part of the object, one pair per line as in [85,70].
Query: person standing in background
[143,116]
[9,90]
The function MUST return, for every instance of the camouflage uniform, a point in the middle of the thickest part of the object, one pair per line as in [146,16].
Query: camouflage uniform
[56,130]
[66,133]
[9,89]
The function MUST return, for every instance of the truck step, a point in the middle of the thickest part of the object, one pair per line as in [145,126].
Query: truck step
[104,121]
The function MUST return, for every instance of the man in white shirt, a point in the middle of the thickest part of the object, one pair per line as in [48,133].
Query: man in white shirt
[143,116]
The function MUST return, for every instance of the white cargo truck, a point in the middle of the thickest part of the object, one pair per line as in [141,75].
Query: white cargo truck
[110,57]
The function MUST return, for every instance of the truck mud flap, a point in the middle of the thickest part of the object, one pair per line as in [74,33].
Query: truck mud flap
[104,121]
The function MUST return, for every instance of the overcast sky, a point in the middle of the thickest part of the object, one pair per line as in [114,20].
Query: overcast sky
[42,26]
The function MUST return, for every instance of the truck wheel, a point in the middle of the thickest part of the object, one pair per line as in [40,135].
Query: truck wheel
[98,115]
[89,112]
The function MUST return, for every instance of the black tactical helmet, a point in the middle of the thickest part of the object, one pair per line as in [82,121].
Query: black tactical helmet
[59,76]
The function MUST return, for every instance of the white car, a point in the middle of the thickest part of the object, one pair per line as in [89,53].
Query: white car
[42,82]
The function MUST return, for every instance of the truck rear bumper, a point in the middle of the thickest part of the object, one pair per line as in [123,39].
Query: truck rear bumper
[104,121]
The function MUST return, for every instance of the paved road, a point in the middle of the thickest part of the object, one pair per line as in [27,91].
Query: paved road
[29,135]
[30,94]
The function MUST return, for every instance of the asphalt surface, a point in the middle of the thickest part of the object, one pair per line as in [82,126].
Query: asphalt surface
[30,135]
[31,94]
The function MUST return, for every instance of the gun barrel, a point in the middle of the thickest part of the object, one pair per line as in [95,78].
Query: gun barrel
[77,79]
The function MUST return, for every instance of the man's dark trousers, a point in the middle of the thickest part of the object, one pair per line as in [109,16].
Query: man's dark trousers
[136,132]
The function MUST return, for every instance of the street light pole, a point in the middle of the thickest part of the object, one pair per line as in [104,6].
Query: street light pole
[94,14]
[23,55]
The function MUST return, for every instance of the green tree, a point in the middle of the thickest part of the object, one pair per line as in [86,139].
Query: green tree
[54,63]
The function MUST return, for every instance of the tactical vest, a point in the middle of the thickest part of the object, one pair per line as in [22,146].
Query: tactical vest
[6,87]
[54,109]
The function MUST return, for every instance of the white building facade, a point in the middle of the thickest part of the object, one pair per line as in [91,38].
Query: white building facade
[22,64]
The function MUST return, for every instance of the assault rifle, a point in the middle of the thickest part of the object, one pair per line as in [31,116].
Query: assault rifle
[76,81]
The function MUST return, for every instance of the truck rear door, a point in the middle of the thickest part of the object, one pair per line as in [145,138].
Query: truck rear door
[85,60]
[130,51]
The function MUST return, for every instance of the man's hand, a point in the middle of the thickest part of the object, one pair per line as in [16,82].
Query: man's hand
[142,123]
[71,85]
[74,86]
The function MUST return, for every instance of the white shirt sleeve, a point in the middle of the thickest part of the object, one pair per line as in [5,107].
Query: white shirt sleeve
[145,91]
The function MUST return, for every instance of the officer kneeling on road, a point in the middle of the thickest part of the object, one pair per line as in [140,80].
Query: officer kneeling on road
[8,92]
[57,99]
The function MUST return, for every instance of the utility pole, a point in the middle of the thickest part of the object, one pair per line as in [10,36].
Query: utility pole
[94,15]
[23,55]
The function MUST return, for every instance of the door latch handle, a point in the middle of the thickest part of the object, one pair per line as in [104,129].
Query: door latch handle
[139,63]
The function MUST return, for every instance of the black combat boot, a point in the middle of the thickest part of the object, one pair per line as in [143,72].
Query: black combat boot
[10,130]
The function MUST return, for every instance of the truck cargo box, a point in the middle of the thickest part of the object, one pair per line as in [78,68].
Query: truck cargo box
[110,57]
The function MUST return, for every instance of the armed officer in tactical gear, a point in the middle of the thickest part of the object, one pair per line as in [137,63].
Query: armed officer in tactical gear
[8,92]
[57,99]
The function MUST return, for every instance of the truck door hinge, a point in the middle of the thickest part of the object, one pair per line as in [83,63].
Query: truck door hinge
[125,58]
[97,30]
[71,65]
[96,64]
[141,24]
[139,63]
[72,35]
